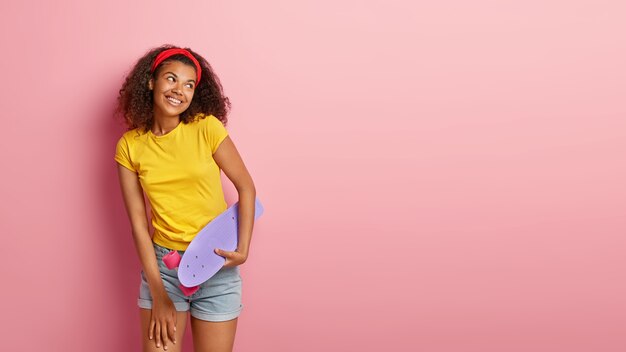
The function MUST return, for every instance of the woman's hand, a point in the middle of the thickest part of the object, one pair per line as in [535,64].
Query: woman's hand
[232,258]
[163,321]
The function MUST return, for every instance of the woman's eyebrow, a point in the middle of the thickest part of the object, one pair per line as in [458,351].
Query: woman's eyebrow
[192,80]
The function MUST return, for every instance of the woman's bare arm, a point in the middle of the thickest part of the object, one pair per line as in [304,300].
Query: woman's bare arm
[163,316]
[136,210]
[229,160]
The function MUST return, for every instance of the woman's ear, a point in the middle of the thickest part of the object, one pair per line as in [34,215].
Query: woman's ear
[150,84]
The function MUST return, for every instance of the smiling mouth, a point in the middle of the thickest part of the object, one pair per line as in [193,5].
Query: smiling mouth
[173,101]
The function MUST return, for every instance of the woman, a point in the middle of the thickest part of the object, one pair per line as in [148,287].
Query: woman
[174,149]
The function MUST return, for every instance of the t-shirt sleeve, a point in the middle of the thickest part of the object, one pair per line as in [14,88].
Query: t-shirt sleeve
[122,154]
[215,132]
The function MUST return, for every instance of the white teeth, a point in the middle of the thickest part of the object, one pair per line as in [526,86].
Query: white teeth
[175,101]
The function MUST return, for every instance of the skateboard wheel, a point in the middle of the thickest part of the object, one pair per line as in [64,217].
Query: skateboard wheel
[188,291]
[171,259]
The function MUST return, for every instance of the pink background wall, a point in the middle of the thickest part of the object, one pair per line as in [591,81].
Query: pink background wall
[441,176]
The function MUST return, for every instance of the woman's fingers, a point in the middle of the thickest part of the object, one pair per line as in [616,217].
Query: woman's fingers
[232,258]
[151,330]
[164,332]
[158,335]
[172,329]
[163,324]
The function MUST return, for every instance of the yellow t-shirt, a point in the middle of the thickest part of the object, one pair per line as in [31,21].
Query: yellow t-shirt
[179,176]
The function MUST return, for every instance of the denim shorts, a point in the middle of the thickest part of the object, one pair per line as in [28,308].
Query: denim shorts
[217,299]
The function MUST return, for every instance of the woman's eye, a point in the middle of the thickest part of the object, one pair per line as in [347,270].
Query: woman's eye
[190,85]
[170,77]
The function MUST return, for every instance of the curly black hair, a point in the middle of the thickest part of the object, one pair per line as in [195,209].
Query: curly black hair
[135,101]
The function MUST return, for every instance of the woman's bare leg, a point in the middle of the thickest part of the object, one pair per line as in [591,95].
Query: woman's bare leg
[150,345]
[211,336]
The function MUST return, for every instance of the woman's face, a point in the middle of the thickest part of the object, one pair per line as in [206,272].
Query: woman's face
[173,88]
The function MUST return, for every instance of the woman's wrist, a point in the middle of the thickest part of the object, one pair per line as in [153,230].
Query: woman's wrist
[158,292]
[243,251]
[160,296]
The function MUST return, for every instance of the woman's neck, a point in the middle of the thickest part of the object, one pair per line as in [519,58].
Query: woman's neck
[163,125]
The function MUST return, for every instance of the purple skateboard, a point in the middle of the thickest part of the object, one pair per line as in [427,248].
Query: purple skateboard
[199,262]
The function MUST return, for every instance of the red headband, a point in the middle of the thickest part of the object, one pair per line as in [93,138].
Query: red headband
[169,52]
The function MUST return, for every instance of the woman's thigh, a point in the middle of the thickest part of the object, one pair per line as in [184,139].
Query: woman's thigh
[150,345]
[210,336]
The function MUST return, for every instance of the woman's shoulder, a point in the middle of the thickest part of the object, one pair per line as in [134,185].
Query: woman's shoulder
[130,135]
[204,118]
[207,122]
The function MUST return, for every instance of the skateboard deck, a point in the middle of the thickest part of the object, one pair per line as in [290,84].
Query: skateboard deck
[199,262]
